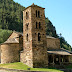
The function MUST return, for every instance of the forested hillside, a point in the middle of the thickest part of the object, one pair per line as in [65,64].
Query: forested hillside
[11,15]
[11,18]
[4,34]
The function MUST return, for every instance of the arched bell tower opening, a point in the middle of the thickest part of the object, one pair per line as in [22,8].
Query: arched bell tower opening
[39,14]
[27,37]
[39,25]
[39,37]
[27,15]
[36,13]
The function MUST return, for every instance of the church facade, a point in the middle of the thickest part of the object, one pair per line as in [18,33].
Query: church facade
[33,47]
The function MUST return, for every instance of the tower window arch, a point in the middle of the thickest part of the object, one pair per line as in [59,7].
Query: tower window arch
[38,13]
[39,25]
[39,37]
[27,16]
[36,25]
[27,37]
[27,25]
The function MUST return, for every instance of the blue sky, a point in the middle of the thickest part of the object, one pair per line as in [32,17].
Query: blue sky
[59,12]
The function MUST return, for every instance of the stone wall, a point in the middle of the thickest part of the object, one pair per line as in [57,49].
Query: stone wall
[21,43]
[26,55]
[9,53]
[35,52]
[39,47]
[53,43]
[16,70]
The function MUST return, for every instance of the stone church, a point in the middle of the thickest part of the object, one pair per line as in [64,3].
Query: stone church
[33,47]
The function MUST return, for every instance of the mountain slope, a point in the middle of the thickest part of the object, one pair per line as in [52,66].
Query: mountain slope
[11,15]
[11,18]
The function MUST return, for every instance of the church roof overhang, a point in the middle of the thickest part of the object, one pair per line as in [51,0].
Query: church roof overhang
[59,52]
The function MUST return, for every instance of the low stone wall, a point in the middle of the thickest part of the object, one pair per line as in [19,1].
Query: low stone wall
[15,70]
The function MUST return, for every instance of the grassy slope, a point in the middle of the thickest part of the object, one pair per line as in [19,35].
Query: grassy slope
[21,66]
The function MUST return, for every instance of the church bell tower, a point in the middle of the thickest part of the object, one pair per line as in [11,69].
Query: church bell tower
[34,37]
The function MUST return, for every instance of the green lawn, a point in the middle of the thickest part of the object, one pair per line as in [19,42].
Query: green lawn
[21,66]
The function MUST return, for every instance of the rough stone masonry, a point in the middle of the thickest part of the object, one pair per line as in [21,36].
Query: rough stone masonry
[34,37]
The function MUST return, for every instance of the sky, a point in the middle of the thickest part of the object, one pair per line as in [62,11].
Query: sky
[59,13]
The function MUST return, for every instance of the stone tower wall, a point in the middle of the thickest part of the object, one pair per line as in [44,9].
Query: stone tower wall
[35,52]
[21,43]
[39,48]
[26,55]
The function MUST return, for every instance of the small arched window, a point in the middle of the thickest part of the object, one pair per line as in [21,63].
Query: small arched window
[39,25]
[27,15]
[27,37]
[36,13]
[39,37]
[27,26]
[36,25]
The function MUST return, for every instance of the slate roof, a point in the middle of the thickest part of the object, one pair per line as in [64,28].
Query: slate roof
[33,5]
[19,33]
[59,52]
[51,37]
[12,40]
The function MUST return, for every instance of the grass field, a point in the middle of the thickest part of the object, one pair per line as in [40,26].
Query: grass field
[21,66]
